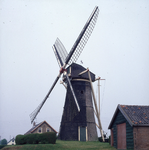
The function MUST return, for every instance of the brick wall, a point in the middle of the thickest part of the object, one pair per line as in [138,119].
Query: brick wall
[141,138]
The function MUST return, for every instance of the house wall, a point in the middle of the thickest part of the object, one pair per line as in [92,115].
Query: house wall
[129,131]
[12,142]
[141,138]
[43,127]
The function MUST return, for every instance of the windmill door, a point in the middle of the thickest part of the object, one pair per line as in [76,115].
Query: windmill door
[82,134]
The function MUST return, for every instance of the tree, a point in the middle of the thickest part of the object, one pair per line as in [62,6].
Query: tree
[3,142]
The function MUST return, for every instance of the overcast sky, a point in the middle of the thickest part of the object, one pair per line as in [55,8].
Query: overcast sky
[118,51]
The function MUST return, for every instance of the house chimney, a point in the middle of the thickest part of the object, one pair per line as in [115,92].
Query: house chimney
[34,123]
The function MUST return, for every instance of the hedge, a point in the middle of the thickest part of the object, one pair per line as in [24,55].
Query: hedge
[44,138]
[1,146]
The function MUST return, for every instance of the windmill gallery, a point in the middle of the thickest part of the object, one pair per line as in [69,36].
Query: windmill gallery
[78,121]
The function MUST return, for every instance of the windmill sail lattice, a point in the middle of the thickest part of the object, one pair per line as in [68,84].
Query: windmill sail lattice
[88,28]
[60,52]
[32,115]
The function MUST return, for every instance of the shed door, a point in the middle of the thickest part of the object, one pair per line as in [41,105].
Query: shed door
[121,136]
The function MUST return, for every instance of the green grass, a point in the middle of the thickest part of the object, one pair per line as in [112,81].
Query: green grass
[61,145]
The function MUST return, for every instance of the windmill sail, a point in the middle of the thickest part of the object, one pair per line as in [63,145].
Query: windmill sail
[60,52]
[74,96]
[58,57]
[83,37]
[37,110]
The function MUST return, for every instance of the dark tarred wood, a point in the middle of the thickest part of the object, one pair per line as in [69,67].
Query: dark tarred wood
[112,138]
[71,118]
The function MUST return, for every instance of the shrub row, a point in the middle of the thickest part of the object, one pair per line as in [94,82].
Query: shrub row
[44,138]
[1,146]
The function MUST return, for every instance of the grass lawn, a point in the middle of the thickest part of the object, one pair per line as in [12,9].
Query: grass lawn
[61,145]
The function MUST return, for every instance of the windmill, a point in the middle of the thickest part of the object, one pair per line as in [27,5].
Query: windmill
[78,122]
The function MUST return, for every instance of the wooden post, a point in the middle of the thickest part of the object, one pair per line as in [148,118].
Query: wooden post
[61,82]
[99,78]
[98,118]
[99,96]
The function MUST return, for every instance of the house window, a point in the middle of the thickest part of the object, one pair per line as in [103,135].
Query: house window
[48,129]
[39,130]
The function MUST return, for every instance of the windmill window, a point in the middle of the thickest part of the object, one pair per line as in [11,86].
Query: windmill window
[82,92]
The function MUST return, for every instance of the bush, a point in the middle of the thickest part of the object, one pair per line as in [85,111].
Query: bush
[29,138]
[36,138]
[19,139]
[100,139]
[1,146]
[44,138]
[3,142]
[49,137]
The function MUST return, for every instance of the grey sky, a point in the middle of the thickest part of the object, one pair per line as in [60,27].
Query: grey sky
[118,51]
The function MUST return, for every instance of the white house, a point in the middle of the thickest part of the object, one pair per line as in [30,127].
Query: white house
[12,142]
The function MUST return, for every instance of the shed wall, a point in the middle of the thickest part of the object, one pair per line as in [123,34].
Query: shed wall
[141,138]
[129,131]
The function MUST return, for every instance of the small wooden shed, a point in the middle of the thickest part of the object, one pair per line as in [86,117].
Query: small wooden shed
[130,127]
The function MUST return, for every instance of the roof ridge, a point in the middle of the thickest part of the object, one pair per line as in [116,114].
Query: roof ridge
[33,128]
[36,126]
[51,127]
[133,105]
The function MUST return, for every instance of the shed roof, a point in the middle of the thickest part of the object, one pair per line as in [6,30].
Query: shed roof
[136,115]
[37,126]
